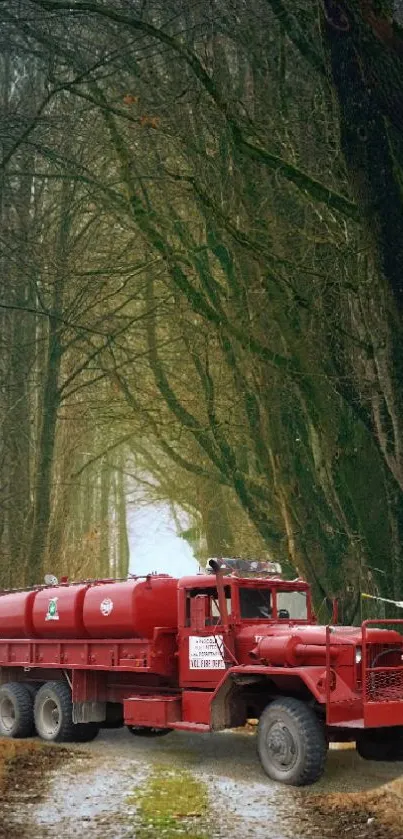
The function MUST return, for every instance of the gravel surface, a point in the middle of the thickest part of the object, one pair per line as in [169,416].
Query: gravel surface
[88,793]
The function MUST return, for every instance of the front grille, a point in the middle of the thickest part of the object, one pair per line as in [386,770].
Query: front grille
[383,673]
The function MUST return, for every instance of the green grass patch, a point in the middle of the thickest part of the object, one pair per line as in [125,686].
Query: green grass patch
[171,805]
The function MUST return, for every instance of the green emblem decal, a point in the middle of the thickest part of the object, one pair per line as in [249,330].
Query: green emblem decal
[52,613]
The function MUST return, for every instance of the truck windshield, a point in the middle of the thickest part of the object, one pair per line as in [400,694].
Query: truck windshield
[292,605]
[255,602]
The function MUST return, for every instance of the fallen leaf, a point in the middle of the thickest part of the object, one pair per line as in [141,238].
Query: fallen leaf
[129,99]
[152,122]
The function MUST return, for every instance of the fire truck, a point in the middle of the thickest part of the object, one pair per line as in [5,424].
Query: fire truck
[201,654]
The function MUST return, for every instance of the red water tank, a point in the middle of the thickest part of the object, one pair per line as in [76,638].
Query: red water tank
[16,614]
[131,609]
[58,612]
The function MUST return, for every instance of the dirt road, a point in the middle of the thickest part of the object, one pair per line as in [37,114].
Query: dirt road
[102,791]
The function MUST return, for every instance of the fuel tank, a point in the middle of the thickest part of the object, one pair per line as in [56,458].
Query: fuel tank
[58,612]
[130,609]
[127,609]
[16,614]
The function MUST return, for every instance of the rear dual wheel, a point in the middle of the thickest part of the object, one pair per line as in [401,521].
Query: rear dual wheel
[53,713]
[16,711]
[49,711]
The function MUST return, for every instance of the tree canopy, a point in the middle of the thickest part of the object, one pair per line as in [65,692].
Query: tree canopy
[201,237]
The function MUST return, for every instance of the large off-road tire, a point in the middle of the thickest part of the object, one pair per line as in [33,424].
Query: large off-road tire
[145,731]
[381,744]
[16,711]
[53,713]
[32,688]
[291,742]
[54,716]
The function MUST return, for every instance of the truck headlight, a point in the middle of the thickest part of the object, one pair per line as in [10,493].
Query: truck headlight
[358,655]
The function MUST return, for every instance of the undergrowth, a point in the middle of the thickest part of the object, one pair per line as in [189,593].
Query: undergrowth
[171,804]
[10,752]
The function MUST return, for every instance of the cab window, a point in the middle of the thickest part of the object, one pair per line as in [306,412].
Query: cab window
[255,603]
[292,605]
[212,611]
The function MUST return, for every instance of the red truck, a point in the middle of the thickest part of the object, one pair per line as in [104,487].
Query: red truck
[200,654]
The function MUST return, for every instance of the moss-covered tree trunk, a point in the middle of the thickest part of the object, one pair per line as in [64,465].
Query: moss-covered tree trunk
[44,464]
[50,399]
[366,58]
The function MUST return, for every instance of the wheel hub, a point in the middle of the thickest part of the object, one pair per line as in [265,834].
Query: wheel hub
[7,713]
[50,716]
[281,746]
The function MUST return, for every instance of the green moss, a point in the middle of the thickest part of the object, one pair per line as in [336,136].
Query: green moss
[172,804]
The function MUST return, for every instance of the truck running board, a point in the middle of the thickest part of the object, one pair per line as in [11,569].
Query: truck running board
[348,724]
[190,726]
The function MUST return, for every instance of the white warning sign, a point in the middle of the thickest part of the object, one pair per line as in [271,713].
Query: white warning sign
[206,652]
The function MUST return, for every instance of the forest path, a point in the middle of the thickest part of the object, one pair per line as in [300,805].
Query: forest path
[99,790]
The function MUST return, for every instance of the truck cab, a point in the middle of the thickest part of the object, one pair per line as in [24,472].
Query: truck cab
[214,637]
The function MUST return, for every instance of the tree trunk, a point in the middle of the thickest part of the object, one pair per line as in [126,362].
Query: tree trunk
[44,466]
[123,539]
[50,400]
[18,425]
[104,546]
[366,58]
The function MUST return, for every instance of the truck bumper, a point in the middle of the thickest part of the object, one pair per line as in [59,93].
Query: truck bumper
[383,714]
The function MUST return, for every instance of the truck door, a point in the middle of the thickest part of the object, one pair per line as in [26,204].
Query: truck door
[206,646]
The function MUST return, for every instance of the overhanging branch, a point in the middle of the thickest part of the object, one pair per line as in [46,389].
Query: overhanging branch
[307,185]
